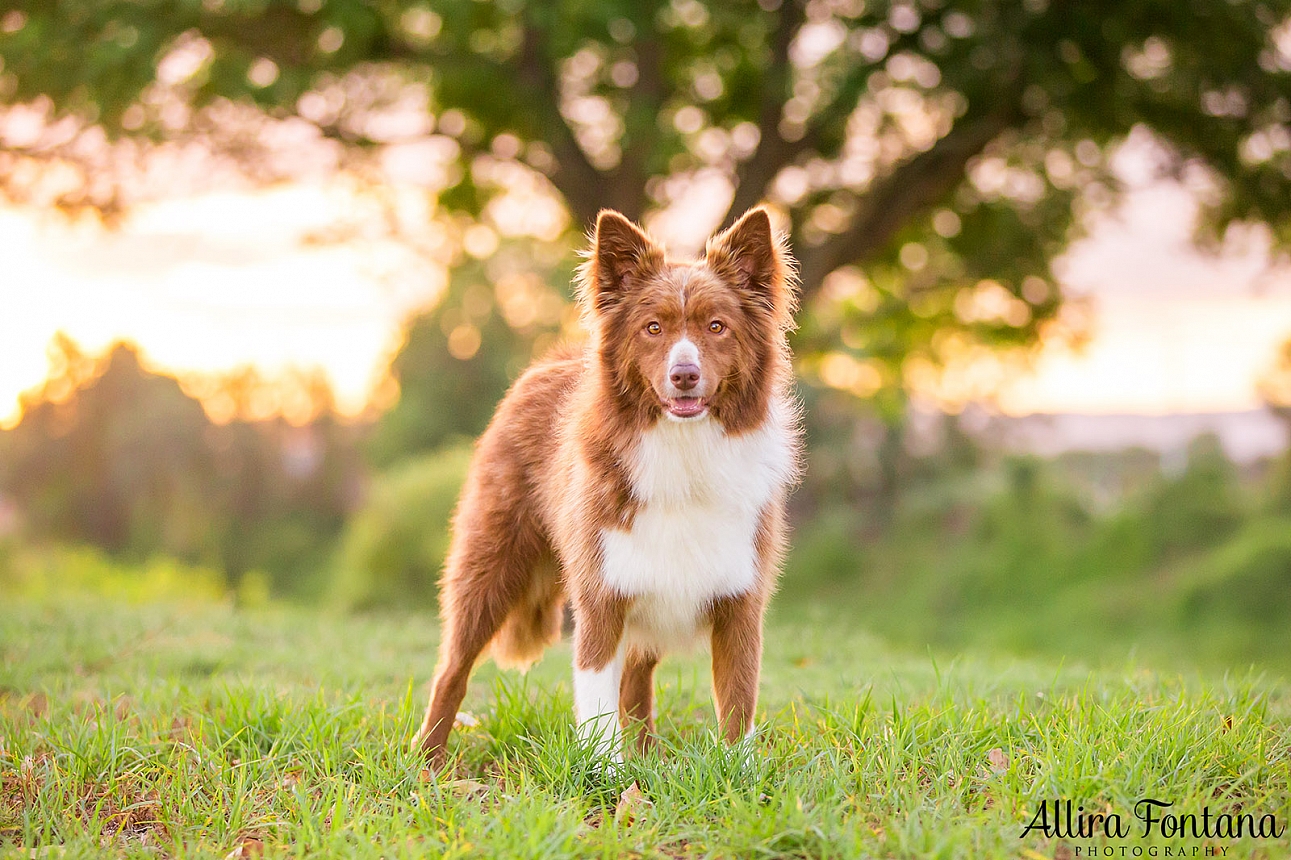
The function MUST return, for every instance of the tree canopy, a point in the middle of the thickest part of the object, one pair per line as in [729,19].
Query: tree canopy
[932,158]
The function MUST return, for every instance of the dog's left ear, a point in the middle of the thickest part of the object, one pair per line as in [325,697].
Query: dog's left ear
[750,255]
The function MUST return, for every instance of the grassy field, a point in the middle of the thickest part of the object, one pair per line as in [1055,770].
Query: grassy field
[204,731]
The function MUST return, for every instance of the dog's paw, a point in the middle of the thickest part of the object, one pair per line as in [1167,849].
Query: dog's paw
[745,752]
[608,767]
[433,756]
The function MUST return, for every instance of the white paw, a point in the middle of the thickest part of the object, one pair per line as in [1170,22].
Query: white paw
[746,750]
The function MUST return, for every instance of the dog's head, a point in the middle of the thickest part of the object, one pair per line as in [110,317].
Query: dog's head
[685,340]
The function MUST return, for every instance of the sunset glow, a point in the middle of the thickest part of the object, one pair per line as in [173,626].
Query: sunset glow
[210,284]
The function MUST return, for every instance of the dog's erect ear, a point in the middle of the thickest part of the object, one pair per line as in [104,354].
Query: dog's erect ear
[755,260]
[621,250]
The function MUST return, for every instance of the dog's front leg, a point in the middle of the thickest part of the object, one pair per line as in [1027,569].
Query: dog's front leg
[737,662]
[598,669]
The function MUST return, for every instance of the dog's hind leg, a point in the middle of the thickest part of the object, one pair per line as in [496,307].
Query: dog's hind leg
[636,697]
[488,572]
[533,623]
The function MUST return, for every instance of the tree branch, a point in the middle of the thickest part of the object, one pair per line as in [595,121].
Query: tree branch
[641,123]
[754,175]
[282,33]
[909,189]
[575,176]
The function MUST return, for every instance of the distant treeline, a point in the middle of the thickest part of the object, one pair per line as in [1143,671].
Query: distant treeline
[110,454]
[946,545]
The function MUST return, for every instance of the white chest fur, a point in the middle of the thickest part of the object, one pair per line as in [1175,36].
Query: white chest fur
[693,538]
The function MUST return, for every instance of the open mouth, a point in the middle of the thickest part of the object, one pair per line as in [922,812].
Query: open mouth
[685,407]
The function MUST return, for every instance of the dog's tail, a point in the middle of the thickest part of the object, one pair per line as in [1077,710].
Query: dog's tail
[532,624]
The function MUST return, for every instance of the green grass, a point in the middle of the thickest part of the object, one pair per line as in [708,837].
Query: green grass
[168,730]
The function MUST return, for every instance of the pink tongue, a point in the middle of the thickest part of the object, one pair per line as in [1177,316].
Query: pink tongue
[686,406]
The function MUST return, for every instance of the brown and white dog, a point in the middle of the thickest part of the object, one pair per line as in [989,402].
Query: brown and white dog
[643,478]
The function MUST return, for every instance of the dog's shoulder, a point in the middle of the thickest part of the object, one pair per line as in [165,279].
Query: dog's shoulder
[521,429]
[545,382]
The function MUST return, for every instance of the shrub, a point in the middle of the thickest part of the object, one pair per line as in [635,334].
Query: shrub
[59,572]
[824,549]
[392,549]
[1199,508]
[1247,579]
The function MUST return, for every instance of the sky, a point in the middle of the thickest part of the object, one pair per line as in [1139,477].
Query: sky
[212,282]
[1174,329]
[208,284]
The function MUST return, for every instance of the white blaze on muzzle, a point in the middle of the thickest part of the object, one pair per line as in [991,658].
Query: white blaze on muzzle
[683,351]
[684,389]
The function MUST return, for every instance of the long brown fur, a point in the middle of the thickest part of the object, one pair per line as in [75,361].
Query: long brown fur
[551,472]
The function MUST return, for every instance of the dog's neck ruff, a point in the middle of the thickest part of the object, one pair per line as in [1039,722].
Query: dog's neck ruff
[694,539]
[677,462]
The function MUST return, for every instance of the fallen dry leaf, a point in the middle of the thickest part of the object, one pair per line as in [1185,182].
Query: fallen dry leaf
[37,705]
[632,804]
[466,787]
[426,775]
[998,760]
[180,728]
[87,705]
[248,847]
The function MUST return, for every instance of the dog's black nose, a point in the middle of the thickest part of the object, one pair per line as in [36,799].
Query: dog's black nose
[684,376]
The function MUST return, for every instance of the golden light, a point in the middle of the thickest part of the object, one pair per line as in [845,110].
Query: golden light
[208,285]
[296,278]
[842,371]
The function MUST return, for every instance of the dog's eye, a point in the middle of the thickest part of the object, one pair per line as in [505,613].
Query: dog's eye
[654,328]
[717,326]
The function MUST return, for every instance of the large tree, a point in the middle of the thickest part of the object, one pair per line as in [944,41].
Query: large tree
[945,149]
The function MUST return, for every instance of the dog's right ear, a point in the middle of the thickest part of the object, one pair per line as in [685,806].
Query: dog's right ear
[621,254]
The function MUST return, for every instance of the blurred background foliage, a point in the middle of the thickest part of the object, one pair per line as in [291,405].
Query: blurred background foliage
[929,161]
[112,455]
[1086,554]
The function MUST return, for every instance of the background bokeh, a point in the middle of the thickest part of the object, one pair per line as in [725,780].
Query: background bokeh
[268,267]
